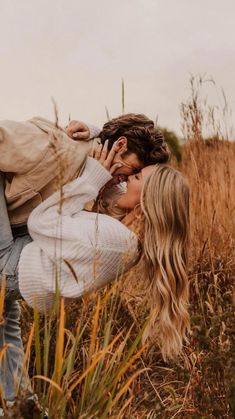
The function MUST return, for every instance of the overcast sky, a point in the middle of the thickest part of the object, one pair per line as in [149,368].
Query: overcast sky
[78,51]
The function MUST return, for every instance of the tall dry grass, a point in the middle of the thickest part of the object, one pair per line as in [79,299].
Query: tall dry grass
[202,382]
[210,169]
[87,360]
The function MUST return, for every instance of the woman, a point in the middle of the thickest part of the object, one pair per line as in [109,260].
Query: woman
[79,251]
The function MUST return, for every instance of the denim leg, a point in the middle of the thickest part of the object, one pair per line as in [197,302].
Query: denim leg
[6,238]
[14,252]
[10,250]
[12,378]
[9,268]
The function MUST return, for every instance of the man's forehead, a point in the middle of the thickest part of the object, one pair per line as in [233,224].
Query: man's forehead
[133,162]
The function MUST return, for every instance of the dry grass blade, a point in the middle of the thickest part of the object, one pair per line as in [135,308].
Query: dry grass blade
[28,348]
[2,297]
[126,386]
[124,407]
[71,269]
[127,365]
[48,380]
[37,344]
[96,359]
[60,344]
[123,96]
[94,330]
[107,113]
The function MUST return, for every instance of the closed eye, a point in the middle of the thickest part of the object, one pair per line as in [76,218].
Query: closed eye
[135,170]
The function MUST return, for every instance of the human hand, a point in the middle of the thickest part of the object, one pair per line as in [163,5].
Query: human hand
[105,157]
[78,130]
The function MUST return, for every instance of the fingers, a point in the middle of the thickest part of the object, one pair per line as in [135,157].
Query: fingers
[78,130]
[91,152]
[98,151]
[114,167]
[105,157]
[94,148]
[111,154]
[73,127]
[104,152]
[82,135]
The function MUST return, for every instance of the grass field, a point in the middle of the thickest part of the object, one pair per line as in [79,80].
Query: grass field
[91,352]
[88,360]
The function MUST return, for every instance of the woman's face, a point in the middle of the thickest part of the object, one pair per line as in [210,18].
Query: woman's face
[134,187]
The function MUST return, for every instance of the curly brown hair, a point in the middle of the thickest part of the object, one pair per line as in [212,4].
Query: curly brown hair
[143,138]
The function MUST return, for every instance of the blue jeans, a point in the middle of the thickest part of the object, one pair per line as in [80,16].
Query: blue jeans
[12,376]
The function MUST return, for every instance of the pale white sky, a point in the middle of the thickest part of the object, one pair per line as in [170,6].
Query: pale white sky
[78,50]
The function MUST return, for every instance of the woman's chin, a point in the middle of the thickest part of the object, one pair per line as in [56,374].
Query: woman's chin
[117,205]
[120,203]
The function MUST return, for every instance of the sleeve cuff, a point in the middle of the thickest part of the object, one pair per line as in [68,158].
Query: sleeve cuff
[95,173]
[94,131]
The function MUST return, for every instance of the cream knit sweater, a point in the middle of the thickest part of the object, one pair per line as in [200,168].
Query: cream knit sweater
[77,250]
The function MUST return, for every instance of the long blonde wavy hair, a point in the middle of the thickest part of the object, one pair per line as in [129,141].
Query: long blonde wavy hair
[162,225]
[165,208]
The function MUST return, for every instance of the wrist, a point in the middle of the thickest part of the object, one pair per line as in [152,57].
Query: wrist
[94,131]
[95,173]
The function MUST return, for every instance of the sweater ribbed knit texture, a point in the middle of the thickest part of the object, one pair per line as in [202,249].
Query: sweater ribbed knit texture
[94,130]
[76,250]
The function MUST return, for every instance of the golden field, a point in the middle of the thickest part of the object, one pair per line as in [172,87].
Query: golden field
[87,361]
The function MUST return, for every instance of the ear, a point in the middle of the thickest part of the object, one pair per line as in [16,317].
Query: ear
[122,144]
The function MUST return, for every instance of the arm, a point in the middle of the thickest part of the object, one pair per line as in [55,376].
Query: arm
[44,219]
[73,239]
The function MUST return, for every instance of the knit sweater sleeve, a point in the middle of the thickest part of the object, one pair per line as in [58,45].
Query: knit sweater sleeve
[85,249]
[94,130]
[74,196]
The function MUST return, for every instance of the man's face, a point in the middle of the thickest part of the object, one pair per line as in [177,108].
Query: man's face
[130,165]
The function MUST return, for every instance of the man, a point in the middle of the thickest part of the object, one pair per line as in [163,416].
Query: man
[36,158]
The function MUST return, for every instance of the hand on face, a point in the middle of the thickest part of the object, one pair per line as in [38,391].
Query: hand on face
[105,157]
[124,164]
